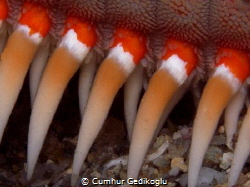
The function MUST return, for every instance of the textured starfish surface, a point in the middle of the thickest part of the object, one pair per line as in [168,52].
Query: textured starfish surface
[165,48]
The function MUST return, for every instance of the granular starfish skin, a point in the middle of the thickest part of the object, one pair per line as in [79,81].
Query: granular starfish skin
[159,50]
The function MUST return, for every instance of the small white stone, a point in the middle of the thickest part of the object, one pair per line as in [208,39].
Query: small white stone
[174,172]
[179,163]
[221,129]
[177,135]
[185,132]
[226,160]
[207,177]
[49,161]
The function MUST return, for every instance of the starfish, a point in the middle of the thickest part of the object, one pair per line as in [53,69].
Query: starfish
[177,44]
